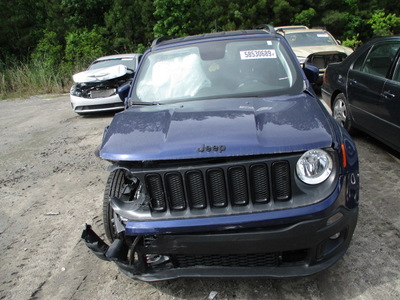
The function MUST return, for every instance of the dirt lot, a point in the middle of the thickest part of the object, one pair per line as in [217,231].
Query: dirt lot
[51,184]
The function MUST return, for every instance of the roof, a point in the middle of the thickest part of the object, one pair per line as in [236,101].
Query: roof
[169,40]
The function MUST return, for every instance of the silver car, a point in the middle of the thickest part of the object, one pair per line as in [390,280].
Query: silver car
[104,85]
[315,47]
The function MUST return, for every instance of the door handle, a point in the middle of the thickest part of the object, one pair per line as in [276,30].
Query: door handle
[388,95]
[352,81]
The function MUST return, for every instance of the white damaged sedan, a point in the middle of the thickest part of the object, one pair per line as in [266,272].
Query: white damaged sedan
[104,85]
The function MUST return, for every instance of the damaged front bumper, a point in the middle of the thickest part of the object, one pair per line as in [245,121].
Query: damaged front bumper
[115,252]
[304,248]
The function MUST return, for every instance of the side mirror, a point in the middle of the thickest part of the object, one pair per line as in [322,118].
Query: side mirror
[123,91]
[311,72]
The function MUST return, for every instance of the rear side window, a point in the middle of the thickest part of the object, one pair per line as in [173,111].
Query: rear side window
[359,63]
[379,59]
[396,74]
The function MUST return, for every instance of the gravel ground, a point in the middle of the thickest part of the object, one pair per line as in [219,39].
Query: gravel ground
[51,184]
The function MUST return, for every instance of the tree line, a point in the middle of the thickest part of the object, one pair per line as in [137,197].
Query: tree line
[69,33]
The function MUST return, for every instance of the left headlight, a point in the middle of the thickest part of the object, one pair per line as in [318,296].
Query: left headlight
[314,166]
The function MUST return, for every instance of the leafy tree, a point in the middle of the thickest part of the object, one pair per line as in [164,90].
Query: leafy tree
[49,50]
[352,42]
[130,24]
[20,27]
[283,11]
[53,22]
[383,24]
[304,17]
[84,14]
[83,46]
[173,17]
[74,30]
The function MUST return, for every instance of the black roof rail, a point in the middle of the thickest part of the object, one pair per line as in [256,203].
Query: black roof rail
[161,39]
[266,27]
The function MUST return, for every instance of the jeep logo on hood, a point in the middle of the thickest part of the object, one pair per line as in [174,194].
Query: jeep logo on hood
[211,148]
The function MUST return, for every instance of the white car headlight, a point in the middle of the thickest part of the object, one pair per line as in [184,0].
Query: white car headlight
[314,166]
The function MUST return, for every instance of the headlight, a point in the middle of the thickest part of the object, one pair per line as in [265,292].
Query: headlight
[75,91]
[314,166]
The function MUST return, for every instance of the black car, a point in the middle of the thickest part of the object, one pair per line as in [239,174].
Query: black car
[364,90]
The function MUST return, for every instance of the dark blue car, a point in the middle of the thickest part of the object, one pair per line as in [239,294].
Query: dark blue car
[226,164]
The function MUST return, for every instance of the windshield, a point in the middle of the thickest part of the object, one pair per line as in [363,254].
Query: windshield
[301,39]
[130,63]
[226,68]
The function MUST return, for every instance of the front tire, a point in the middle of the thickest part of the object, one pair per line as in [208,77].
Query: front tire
[114,187]
[341,113]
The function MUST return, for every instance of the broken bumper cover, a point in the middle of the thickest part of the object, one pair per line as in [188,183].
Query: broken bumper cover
[300,249]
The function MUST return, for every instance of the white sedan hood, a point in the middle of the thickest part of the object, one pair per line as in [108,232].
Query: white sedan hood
[328,49]
[102,74]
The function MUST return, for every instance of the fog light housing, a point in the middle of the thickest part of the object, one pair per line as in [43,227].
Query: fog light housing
[335,236]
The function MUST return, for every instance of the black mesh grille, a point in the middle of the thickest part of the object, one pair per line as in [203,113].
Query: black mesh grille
[260,183]
[226,186]
[175,190]
[195,189]
[281,180]
[156,191]
[217,189]
[238,185]
[233,260]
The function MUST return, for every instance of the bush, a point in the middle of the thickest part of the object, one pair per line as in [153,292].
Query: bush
[83,46]
[353,43]
[49,50]
[382,24]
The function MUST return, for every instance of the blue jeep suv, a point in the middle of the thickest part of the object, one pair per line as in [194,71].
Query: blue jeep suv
[225,163]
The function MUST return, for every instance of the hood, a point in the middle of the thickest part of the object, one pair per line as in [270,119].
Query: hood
[328,49]
[217,128]
[102,74]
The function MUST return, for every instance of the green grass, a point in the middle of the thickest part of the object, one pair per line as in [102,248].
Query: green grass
[33,78]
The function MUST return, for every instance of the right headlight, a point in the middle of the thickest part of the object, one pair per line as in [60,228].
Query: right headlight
[314,166]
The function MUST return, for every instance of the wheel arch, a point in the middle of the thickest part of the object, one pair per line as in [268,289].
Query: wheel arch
[334,95]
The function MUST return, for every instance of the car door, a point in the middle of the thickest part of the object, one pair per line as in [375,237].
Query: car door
[391,106]
[366,81]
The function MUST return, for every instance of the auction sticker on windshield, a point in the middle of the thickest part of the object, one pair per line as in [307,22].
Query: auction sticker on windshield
[258,54]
